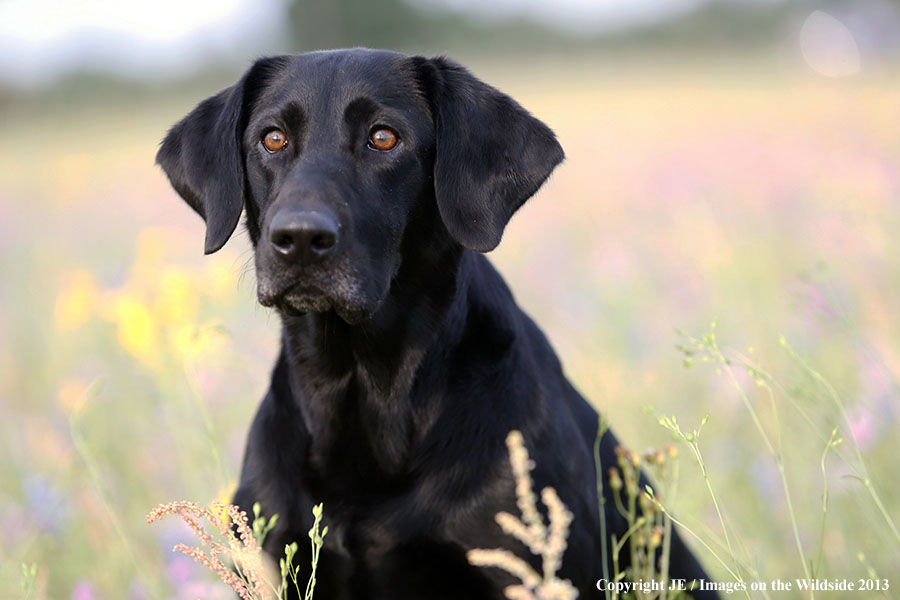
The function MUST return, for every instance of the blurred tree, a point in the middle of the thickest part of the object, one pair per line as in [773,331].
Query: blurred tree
[431,28]
[399,25]
[344,23]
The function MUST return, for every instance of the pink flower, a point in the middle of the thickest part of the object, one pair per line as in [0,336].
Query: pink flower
[83,590]
[862,429]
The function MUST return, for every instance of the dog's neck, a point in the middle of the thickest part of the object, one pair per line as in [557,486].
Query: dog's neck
[362,377]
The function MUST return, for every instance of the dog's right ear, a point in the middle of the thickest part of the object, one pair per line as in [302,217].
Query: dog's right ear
[491,154]
[203,158]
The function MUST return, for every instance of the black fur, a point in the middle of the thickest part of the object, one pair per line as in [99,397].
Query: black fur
[405,360]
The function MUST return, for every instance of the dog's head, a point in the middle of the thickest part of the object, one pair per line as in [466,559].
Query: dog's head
[332,153]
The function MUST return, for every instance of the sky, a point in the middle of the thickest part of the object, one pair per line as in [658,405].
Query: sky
[42,39]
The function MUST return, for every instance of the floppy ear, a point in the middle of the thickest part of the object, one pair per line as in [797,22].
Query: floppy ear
[202,154]
[491,156]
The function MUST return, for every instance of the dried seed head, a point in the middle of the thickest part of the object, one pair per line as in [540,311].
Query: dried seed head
[615,480]
[656,537]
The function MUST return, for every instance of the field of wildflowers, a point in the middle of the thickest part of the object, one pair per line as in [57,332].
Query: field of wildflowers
[766,199]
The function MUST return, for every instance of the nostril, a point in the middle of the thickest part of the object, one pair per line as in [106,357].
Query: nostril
[283,241]
[322,241]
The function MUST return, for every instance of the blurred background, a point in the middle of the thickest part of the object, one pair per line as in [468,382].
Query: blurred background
[732,160]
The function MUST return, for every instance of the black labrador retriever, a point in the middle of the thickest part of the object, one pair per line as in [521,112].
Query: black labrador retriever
[372,181]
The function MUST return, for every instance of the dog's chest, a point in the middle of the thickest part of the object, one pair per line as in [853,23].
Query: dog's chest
[366,435]
[370,560]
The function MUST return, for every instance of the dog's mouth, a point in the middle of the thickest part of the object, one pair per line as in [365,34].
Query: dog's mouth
[302,298]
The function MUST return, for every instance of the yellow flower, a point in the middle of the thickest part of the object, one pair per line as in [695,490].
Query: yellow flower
[136,327]
[217,507]
[75,301]
[190,343]
[177,300]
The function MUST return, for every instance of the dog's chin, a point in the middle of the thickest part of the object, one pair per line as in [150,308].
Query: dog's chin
[296,304]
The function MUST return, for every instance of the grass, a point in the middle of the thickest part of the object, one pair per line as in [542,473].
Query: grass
[131,365]
[710,352]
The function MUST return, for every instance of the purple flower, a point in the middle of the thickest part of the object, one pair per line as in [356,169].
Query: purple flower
[180,570]
[46,502]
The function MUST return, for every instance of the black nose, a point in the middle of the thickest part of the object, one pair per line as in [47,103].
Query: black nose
[303,236]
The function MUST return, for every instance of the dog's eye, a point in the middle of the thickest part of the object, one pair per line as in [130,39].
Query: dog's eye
[383,139]
[275,140]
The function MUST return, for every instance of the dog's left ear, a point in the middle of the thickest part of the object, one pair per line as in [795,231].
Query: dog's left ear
[202,154]
[491,154]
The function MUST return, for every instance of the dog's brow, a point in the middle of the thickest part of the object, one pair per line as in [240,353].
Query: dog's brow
[294,116]
[359,109]
[291,115]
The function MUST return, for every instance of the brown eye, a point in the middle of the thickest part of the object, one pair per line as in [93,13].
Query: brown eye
[275,140]
[383,139]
